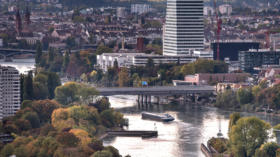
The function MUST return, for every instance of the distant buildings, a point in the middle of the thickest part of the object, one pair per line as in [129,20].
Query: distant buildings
[230,49]
[258,58]
[225,9]
[9,91]
[140,8]
[184,27]
[121,12]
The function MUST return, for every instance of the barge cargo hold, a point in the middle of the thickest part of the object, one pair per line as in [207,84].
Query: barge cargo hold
[157,117]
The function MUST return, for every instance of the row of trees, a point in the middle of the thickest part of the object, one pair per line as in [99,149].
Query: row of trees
[161,74]
[251,98]
[42,86]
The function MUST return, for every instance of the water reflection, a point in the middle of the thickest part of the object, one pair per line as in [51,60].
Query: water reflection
[22,65]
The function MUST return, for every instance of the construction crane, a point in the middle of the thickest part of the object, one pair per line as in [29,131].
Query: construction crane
[219,23]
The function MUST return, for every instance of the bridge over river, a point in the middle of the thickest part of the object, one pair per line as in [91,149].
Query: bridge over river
[145,93]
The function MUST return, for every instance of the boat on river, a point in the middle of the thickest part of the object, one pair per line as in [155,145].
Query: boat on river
[158,117]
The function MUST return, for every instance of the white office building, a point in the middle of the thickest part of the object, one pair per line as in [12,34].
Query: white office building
[184,27]
[9,91]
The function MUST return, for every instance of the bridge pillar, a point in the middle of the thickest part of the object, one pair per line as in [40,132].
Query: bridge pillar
[149,99]
[146,99]
[158,99]
[142,99]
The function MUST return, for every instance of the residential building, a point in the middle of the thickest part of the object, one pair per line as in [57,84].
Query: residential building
[184,27]
[9,91]
[221,87]
[258,58]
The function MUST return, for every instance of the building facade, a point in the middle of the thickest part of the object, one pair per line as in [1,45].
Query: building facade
[9,91]
[184,27]
[230,49]
[258,58]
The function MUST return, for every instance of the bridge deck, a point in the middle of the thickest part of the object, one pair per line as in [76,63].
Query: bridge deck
[160,90]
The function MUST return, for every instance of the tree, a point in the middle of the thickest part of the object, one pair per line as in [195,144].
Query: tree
[51,55]
[39,52]
[123,78]
[226,99]
[66,60]
[247,135]
[267,150]
[28,87]
[103,49]
[233,118]
[33,118]
[68,139]
[244,96]
[53,82]
[103,153]
[72,91]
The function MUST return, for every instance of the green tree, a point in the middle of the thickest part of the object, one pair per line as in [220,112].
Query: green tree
[53,82]
[103,49]
[33,118]
[267,150]
[123,78]
[226,99]
[51,55]
[247,135]
[28,86]
[233,118]
[244,96]
[39,52]
[66,60]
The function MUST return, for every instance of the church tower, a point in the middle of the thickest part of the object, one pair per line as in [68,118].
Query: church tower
[18,22]
[27,15]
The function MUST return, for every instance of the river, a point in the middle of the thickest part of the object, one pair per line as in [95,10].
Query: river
[22,65]
[193,124]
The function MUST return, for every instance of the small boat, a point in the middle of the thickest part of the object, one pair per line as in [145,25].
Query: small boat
[158,117]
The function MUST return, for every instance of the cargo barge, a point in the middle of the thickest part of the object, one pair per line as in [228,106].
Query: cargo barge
[157,117]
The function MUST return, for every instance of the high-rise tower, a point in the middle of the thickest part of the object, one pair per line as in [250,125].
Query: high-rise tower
[184,27]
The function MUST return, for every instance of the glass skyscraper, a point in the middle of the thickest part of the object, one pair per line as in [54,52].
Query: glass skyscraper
[184,27]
